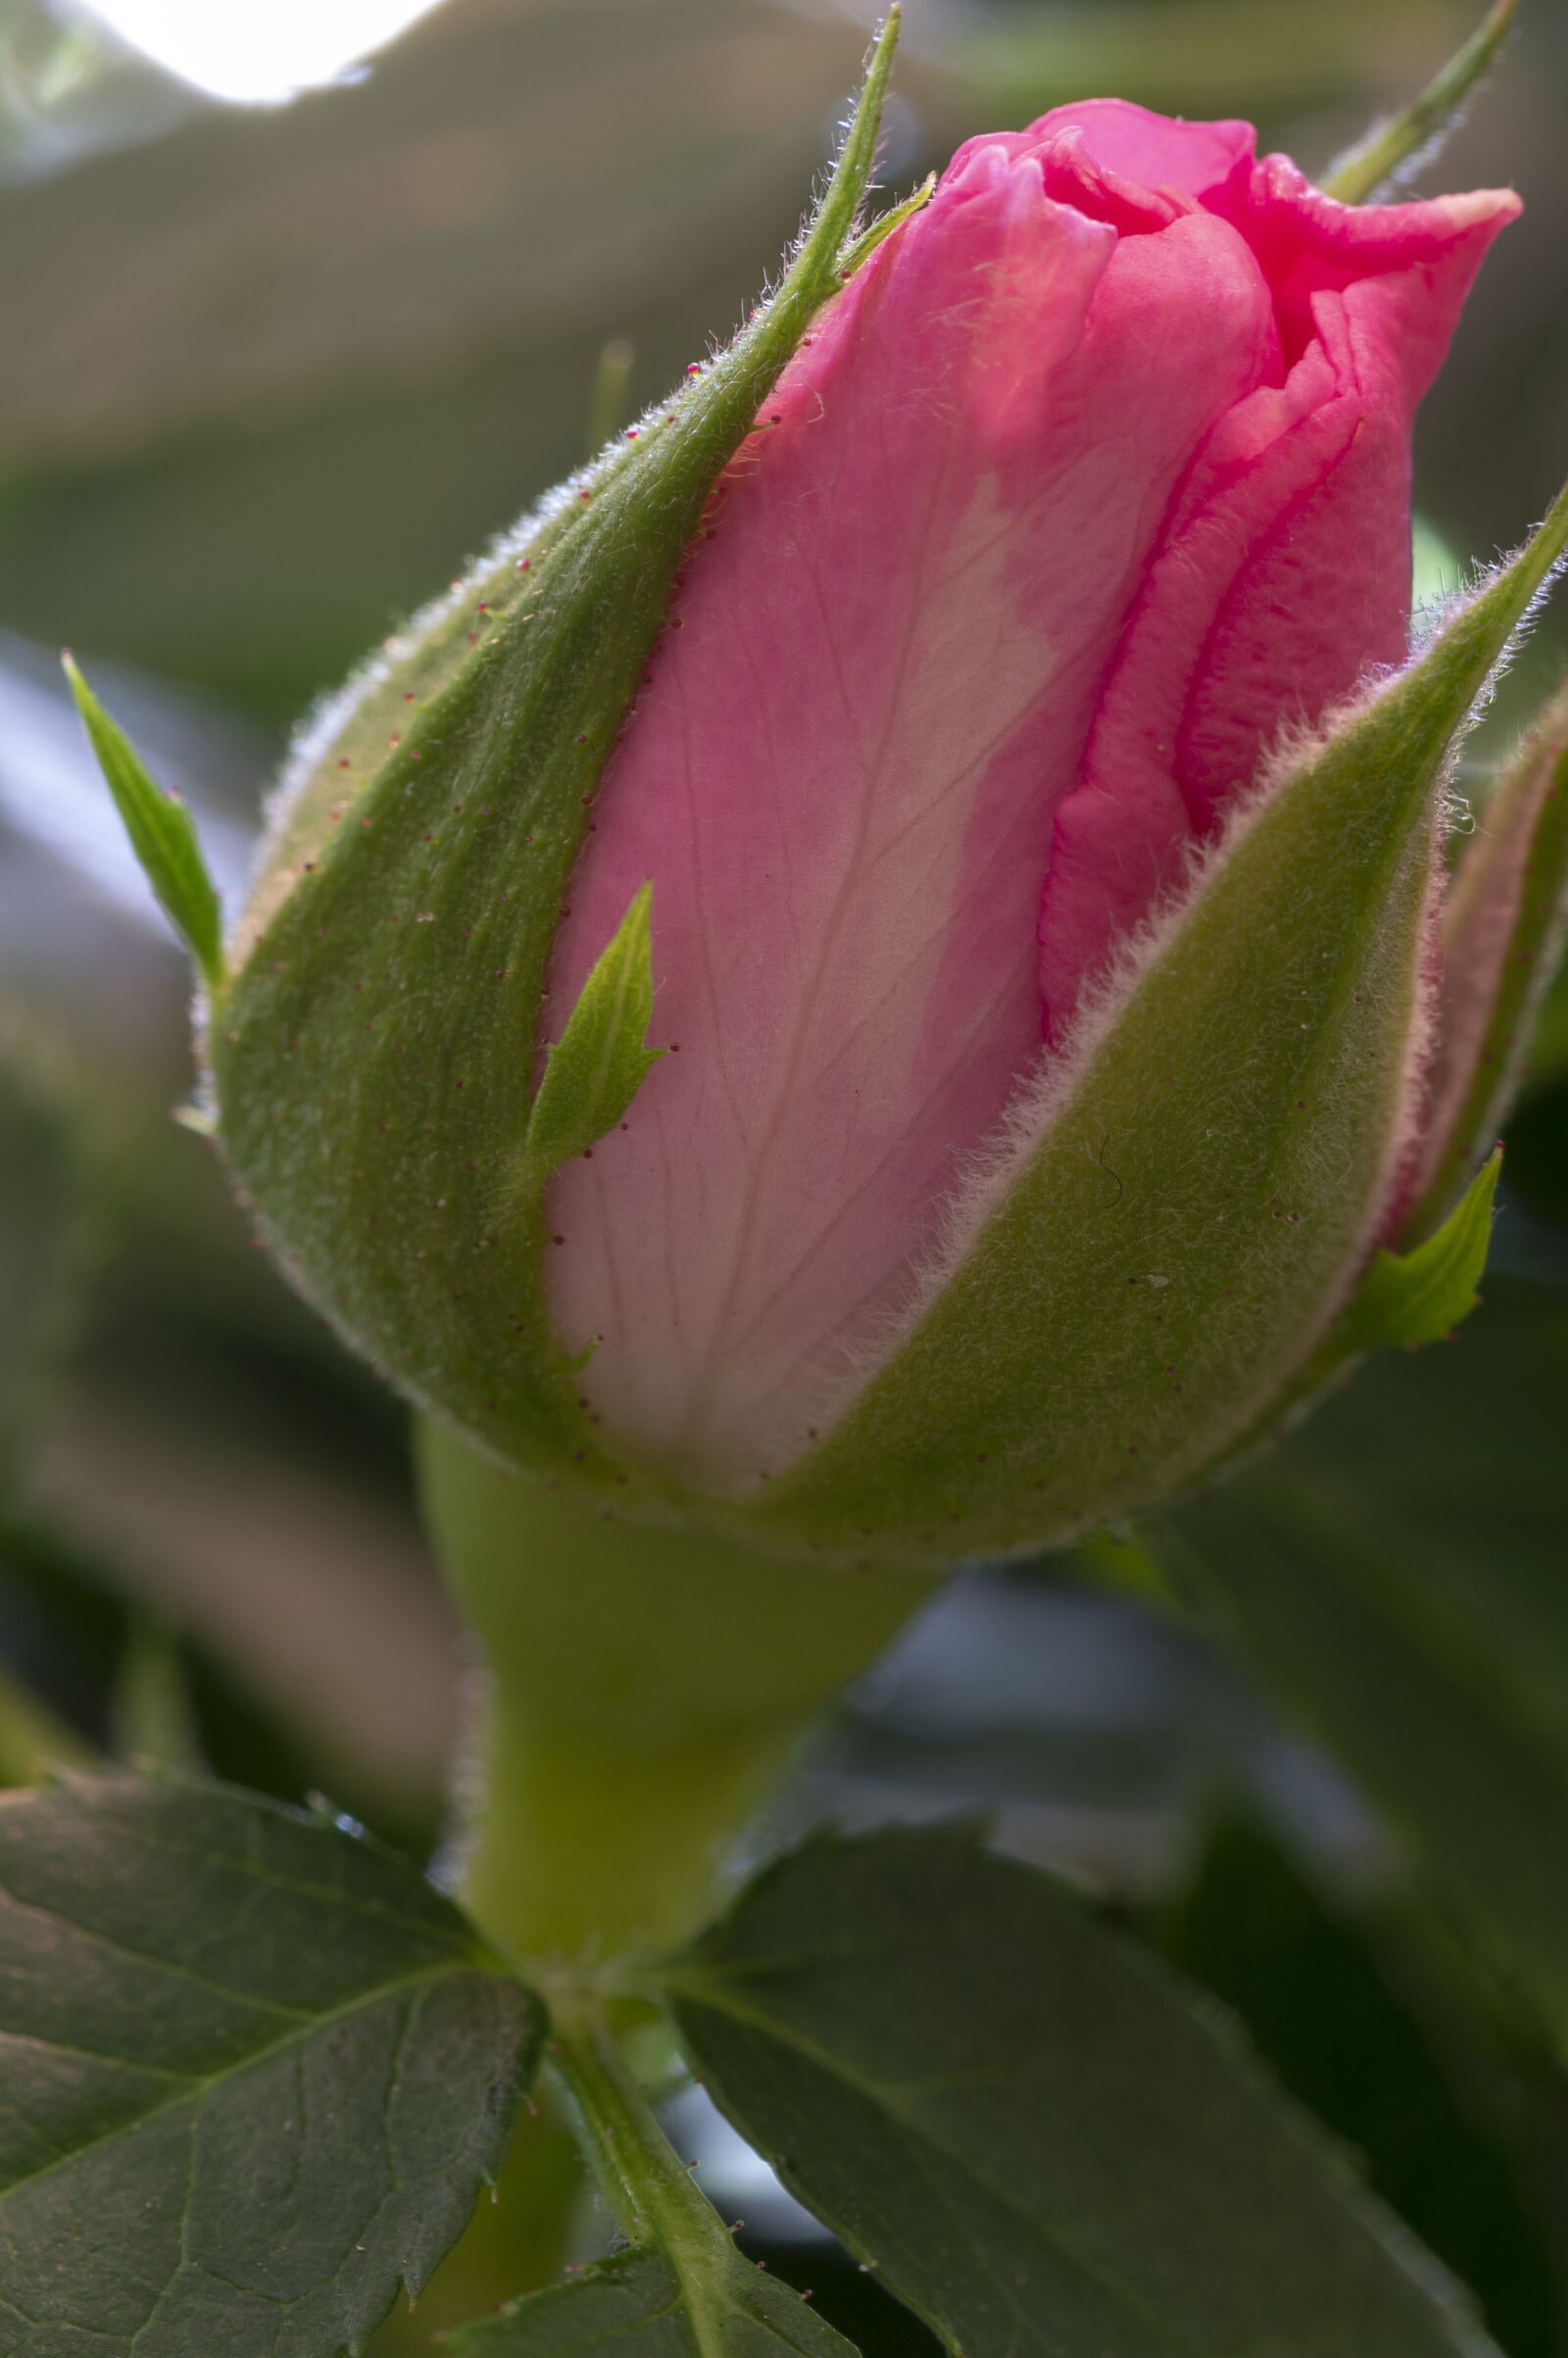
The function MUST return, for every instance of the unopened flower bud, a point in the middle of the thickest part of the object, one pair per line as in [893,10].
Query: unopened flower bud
[964,738]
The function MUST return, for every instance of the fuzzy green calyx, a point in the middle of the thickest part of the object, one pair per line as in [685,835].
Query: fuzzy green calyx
[376,1053]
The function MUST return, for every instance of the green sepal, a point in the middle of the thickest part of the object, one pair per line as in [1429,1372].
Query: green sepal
[1404,1301]
[1502,933]
[1377,158]
[374,1067]
[597,1066]
[861,249]
[1408,1298]
[1175,1227]
[162,835]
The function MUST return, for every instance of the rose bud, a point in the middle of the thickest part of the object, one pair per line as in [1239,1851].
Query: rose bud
[868,979]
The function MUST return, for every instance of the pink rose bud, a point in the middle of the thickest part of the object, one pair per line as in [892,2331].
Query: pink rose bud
[870,977]
[1090,486]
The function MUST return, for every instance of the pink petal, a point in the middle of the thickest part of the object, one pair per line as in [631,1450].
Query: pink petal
[1283,577]
[841,781]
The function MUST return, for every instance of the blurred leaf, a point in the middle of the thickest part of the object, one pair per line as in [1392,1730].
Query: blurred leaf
[154,1719]
[1549,1058]
[1355,2014]
[257,2072]
[1394,1578]
[47,1222]
[1205,57]
[343,337]
[1537,1135]
[1033,2133]
[34,1743]
[69,1629]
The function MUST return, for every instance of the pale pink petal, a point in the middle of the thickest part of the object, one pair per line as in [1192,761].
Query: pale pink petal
[842,780]
[1284,577]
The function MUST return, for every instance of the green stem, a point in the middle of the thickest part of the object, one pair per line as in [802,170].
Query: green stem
[648,2185]
[646,1684]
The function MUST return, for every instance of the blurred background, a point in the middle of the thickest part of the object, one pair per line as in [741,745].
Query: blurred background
[300,303]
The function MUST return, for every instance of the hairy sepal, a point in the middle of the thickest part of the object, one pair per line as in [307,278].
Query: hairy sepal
[162,834]
[602,1059]
[1395,149]
[1503,936]
[375,1056]
[1186,1196]
[1404,1302]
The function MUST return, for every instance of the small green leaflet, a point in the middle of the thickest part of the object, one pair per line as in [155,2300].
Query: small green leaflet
[1034,2133]
[1404,1301]
[162,832]
[256,2072]
[1408,1298]
[599,1063]
[682,2290]
[1376,159]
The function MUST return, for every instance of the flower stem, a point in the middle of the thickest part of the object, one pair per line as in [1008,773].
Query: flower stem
[646,1684]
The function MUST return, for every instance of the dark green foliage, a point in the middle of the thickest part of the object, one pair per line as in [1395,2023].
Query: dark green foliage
[1367,2021]
[1394,1578]
[256,2073]
[1035,2135]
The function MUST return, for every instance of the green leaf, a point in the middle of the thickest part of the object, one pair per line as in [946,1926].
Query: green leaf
[682,2290]
[256,2072]
[1376,159]
[597,1066]
[49,1216]
[383,1049]
[631,2302]
[1367,2020]
[1408,1299]
[162,835]
[1392,1576]
[1033,2133]
[1142,1275]
[634,2304]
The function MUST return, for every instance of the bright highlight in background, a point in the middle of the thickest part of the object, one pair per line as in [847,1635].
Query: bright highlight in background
[258,50]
